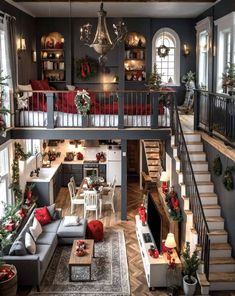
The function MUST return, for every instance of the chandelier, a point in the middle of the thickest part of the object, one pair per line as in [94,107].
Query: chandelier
[102,42]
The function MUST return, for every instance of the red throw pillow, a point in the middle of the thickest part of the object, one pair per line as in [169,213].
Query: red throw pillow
[40,84]
[42,215]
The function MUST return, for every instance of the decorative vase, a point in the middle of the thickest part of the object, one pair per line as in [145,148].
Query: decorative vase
[9,286]
[189,289]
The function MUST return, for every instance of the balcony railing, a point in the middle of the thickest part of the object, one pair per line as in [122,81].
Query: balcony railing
[215,114]
[119,109]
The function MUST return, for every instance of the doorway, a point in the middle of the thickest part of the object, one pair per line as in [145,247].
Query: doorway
[133,160]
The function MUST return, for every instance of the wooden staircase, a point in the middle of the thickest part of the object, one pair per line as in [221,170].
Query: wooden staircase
[222,264]
[152,152]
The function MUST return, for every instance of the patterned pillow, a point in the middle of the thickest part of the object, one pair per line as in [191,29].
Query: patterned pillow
[42,215]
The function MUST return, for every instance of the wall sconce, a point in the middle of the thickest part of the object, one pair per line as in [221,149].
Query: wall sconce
[20,45]
[34,56]
[186,50]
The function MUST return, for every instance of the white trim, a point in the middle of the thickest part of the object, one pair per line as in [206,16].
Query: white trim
[177,52]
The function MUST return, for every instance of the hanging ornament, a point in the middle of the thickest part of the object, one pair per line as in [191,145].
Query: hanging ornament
[163,50]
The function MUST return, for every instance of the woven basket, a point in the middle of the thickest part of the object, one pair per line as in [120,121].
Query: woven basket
[9,287]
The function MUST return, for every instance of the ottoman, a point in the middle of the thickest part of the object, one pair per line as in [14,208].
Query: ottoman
[95,230]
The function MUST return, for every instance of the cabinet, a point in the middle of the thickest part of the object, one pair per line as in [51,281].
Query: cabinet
[57,182]
[44,193]
[135,60]
[53,57]
[155,268]
[69,170]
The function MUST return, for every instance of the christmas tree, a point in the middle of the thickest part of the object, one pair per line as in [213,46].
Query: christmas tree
[155,79]
[3,110]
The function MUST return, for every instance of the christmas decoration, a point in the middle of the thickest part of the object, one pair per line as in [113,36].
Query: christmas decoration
[154,80]
[173,204]
[228,79]
[217,166]
[142,213]
[228,179]
[86,68]
[82,102]
[22,101]
[163,51]
[3,110]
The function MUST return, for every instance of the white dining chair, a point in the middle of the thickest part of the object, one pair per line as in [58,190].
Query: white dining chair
[110,185]
[91,199]
[75,199]
[107,198]
[75,188]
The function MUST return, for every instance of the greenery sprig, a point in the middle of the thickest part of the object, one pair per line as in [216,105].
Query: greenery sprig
[173,204]
[228,178]
[217,166]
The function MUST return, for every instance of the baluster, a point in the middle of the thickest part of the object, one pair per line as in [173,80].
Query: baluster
[50,110]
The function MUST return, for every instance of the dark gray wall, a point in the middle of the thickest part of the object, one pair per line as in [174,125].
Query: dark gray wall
[226,198]
[25,24]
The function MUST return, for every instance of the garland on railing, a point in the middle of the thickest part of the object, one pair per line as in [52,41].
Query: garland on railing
[228,178]
[83,102]
[173,204]
[217,166]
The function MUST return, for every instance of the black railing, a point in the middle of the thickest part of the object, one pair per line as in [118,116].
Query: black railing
[215,114]
[192,193]
[119,109]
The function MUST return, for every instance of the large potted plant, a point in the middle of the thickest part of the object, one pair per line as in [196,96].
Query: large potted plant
[190,265]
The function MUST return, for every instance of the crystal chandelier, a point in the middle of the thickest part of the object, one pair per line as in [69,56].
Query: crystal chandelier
[102,43]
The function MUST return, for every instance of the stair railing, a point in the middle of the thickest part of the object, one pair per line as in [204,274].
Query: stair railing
[192,192]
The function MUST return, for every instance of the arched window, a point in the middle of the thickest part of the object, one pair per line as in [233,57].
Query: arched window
[168,66]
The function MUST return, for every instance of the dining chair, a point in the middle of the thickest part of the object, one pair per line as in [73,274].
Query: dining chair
[110,184]
[91,199]
[107,198]
[75,199]
[75,188]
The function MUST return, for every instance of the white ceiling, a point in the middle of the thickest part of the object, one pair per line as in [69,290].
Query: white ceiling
[127,9]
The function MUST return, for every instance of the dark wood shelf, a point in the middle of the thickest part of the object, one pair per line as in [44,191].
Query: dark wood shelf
[53,70]
[52,49]
[57,81]
[52,60]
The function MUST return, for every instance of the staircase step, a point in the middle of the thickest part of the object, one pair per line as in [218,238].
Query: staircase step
[202,176]
[194,146]
[192,137]
[197,156]
[205,187]
[212,210]
[222,264]
[154,174]
[199,165]
[222,281]
[220,250]
[154,168]
[151,150]
[209,198]
[215,222]
[151,144]
[154,162]
[218,236]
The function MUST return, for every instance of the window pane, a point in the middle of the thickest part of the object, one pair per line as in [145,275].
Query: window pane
[3,195]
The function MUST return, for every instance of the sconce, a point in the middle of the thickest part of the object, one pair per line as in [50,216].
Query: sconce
[34,56]
[186,50]
[21,46]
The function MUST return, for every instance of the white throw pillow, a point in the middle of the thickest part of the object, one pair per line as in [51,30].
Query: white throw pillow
[35,229]
[70,87]
[71,221]
[30,244]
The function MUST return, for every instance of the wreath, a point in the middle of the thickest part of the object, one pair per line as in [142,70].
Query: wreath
[173,204]
[228,179]
[163,51]
[83,102]
[217,166]
[86,68]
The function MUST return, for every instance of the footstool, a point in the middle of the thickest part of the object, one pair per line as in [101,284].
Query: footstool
[95,230]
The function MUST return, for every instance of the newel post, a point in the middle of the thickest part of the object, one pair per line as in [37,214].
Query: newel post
[50,110]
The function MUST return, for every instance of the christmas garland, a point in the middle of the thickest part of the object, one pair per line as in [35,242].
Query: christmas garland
[228,179]
[217,166]
[82,101]
[3,110]
[86,68]
[163,51]
[173,204]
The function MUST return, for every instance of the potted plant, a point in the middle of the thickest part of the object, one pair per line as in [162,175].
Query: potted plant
[190,264]
[228,79]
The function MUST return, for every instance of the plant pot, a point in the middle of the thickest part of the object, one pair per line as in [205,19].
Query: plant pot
[9,287]
[189,289]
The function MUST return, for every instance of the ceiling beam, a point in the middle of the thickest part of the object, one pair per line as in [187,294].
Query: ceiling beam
[141,1]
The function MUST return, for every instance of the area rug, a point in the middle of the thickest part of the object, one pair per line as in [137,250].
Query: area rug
[109,271]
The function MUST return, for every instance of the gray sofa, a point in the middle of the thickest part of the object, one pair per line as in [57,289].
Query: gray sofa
[31,268]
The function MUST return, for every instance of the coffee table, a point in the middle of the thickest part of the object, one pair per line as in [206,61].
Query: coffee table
[81,261]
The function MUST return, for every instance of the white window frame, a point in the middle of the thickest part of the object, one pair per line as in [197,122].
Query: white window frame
[177,53]
[205,25]
[224,25]
[5,176]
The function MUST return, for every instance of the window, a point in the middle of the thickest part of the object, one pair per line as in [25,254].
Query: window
[32,146]
[169,66]
[225,45]
[4,179]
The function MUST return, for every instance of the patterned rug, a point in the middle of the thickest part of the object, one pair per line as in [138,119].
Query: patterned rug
[109,271]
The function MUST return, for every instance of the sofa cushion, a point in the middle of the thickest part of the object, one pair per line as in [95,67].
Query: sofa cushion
[78,231]
[69,221]
[42,215]
[18,249]
[30,243]
[35,229]
[52,227]
[52,211]
[43,252]
[47,238]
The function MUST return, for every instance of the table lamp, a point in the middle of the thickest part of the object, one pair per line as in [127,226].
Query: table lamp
[170,242]
[164,179]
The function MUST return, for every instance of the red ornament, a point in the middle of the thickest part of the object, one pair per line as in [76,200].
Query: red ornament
[156,253]
[21,213]
[10,226]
